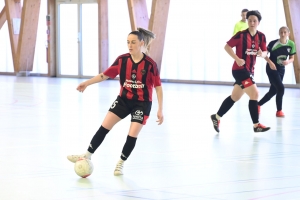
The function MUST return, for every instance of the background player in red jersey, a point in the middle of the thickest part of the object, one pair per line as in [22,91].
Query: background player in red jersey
[280,49]
[249,44]
[138,75]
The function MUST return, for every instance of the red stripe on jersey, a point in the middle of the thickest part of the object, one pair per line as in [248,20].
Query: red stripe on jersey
[139,76]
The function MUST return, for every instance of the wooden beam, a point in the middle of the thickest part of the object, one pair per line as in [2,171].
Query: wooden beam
[292,10]
[28,34]
[103,34]
[2,17]
[138,14]
[13,10]
[158,25]
[51,39]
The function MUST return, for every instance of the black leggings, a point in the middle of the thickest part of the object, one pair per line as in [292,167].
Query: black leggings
[277,87]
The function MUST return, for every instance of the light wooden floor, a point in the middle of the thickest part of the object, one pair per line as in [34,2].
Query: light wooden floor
[42,120]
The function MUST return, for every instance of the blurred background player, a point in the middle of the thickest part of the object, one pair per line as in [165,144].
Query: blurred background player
[242,24]
[282,52]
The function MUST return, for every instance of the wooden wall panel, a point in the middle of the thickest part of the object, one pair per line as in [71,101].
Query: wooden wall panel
[292,15]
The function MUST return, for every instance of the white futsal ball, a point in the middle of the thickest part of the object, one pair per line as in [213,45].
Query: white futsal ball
[84,167]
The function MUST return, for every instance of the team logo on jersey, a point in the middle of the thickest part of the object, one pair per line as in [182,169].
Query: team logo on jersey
[289,49]
[143,71]
[133,76]
[253,45]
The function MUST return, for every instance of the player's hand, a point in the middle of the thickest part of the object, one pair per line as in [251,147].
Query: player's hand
[272,66]
[240,62]
[259,52]
[81,87]
[285,62]
[160,117]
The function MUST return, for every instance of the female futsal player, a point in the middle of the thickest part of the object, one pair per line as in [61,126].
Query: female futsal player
[280,49]
[249,44]
[138,75]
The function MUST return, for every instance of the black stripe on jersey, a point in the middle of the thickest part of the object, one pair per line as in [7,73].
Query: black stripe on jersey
[134,90]
[144,80]
[244,48]
[123,75]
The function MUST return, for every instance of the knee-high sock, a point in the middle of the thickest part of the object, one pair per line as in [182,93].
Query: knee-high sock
[253,111]
[226,105]
[128,147]
[97,139]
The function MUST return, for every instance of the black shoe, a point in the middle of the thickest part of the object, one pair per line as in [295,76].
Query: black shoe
[261,128]
[216,122]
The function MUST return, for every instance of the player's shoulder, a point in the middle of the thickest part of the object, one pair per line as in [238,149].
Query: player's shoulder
[150,60]
[239,33]
[291,42]
[260,33]
[125,55]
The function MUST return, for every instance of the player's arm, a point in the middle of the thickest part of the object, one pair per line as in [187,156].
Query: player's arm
[229,50]
[96,79]
[159,93]
[290,60]
[270,62]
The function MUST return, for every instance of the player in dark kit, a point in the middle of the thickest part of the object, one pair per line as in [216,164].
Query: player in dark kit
[280,50]
[249,44]
[138,76]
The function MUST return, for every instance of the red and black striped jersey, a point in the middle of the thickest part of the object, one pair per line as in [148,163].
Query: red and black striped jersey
[247,47]
[136,79]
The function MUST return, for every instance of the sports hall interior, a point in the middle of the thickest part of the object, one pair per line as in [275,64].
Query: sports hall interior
[48,47]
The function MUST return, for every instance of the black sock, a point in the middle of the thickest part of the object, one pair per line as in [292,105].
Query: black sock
[226,105]
[128,147]
[253,111]
[97,139]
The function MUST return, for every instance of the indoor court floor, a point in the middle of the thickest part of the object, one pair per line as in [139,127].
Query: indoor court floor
[42,120]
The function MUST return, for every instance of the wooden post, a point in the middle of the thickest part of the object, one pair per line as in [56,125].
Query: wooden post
[292,10]
[103,34]
[13,10]
[51,38]
[28,34]
[138,14]
[2,17]
[158,25]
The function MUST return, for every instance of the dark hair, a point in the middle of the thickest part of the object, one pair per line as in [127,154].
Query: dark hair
[245,10]
[138,34]
[144,35]
[254,12]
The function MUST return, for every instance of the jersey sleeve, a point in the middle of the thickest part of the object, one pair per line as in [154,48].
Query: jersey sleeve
[234,40]
[155,76]
[263,43]
[293,50]
[114,69]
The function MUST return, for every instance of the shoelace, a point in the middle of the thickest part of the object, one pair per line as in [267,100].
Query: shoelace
[119,167]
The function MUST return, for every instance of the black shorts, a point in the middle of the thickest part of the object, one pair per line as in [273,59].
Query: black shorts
[139,110]
[243,78]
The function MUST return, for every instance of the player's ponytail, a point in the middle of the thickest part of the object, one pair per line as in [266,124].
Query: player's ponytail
[148,37]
